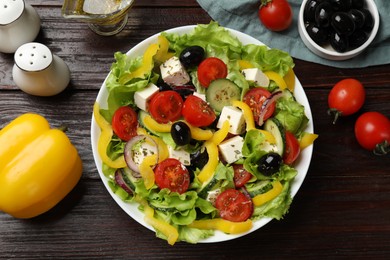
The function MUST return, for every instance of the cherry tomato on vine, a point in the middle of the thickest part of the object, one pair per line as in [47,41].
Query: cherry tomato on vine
[346,98]
[372,131]
[124,123]
[234,206]
[173,175]
[210,69]
[276,15]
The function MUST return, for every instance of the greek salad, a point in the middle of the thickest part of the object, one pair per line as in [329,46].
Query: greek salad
[202,132]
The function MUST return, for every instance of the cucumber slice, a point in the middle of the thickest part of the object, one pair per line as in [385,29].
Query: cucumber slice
[222,92]
[273,126]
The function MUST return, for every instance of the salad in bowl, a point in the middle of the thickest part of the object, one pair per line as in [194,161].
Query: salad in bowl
[202,133]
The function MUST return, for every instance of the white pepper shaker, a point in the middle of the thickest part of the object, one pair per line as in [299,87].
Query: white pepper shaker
[39,72]
[19,24]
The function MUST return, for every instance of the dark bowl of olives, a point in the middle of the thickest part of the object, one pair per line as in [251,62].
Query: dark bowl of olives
[338,29]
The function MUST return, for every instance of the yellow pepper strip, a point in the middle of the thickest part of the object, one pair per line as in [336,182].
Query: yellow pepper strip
[248,115]
[244,64]
[39,166]
[146,170]
[289,78]
[147,65]
[272,75]
[199,133]
[105,139]
[153,125]
[168,230]
[221,134]
[269,195]
[162,54]
[268,136]
[223,225]
[307,139]
[208,170]
[163,152]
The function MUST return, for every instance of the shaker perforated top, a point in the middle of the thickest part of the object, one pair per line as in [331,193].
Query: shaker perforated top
[10,11]
[33,56]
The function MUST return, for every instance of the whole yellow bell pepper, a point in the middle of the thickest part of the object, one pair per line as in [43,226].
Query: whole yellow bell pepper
[39,166]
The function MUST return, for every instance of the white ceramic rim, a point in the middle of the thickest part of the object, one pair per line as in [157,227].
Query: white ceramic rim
[302,164]
[330,53]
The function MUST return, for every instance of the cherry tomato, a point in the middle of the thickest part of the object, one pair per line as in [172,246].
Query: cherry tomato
[234,206]
[372,131]
[173,175]
[210,69]
[346,98]
[124,123]
[241,176]
[255,98]
[166,106]
[292,149]
[198,112]
[276,15]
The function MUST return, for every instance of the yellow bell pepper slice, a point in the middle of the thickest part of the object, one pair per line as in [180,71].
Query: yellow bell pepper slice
[223,225]
[307,139]
[244,64]
[199,133]
[261,199]
[272,75]
[289,78]
[168,230]
[105,139]
[208,170]
[146,170]
[248,115]
[39,166]
[147,65]
[163,53]
[268,136]
[153,125]
[221,134]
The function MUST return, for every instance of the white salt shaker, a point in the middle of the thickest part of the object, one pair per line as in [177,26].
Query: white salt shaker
[19,24]
[39,72]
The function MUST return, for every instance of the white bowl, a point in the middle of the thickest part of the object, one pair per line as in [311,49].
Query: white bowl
[327,51]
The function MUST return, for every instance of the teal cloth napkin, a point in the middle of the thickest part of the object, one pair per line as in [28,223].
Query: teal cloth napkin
[241,15]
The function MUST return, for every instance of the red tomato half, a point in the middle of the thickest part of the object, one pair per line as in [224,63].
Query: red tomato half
[124,123]
[197,112]
[241,176]
[210,69]
[292,149]
[166,106]
[372,128]
[234,206]
[173,175]
[276,15]
[255,98]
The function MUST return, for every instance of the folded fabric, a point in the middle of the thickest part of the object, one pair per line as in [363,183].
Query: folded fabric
[242,15]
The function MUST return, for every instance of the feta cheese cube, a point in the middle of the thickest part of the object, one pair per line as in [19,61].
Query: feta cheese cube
[142,97]
[173,72]
[200,95]
[257,76]
[235,117]
[145,149]
[231,149]
[180,154]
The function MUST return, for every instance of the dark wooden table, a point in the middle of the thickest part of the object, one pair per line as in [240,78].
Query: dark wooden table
[342,209]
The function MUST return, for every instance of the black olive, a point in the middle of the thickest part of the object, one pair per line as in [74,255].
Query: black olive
[270,163]
[358,17]
[181,133]
[323,14]
[342,23]
[162,86]
[368,21]
[192,56]
[309,11]
[338,42]
[184,90]
[317,34]
[357,39]
[341,5]
[357,4]
[199,159]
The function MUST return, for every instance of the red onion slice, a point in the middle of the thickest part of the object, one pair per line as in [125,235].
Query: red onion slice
[129,152]
[264,108]
[121,182]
